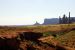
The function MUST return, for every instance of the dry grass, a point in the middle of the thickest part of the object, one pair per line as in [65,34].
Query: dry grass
[67,39]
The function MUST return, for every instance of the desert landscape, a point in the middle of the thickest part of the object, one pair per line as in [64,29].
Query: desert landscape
[37,25]
[39,37]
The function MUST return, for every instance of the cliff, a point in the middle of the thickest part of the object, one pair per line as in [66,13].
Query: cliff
[51,21]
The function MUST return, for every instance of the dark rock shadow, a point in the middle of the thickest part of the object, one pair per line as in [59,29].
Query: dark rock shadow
[9,44]
[30,48]
[32,36]
[72,29]
[58,47]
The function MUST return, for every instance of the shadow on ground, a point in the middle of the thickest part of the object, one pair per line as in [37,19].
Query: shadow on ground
[14,43]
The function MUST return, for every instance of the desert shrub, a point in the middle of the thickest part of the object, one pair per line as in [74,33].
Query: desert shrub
[60,33]
[45,34]
[33,43]
[54,35]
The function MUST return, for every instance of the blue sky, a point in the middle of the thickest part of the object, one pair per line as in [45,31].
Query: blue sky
[27,12]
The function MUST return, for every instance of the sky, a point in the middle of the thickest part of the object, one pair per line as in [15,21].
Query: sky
[27,12]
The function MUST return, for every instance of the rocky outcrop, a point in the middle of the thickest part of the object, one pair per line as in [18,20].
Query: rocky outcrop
[18,42]
[30,35]
[9,44]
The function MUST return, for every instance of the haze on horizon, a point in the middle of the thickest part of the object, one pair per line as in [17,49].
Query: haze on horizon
[27,12]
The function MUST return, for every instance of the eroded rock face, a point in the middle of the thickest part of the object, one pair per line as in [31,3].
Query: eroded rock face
[14,43]
[9,44]
[30,36]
